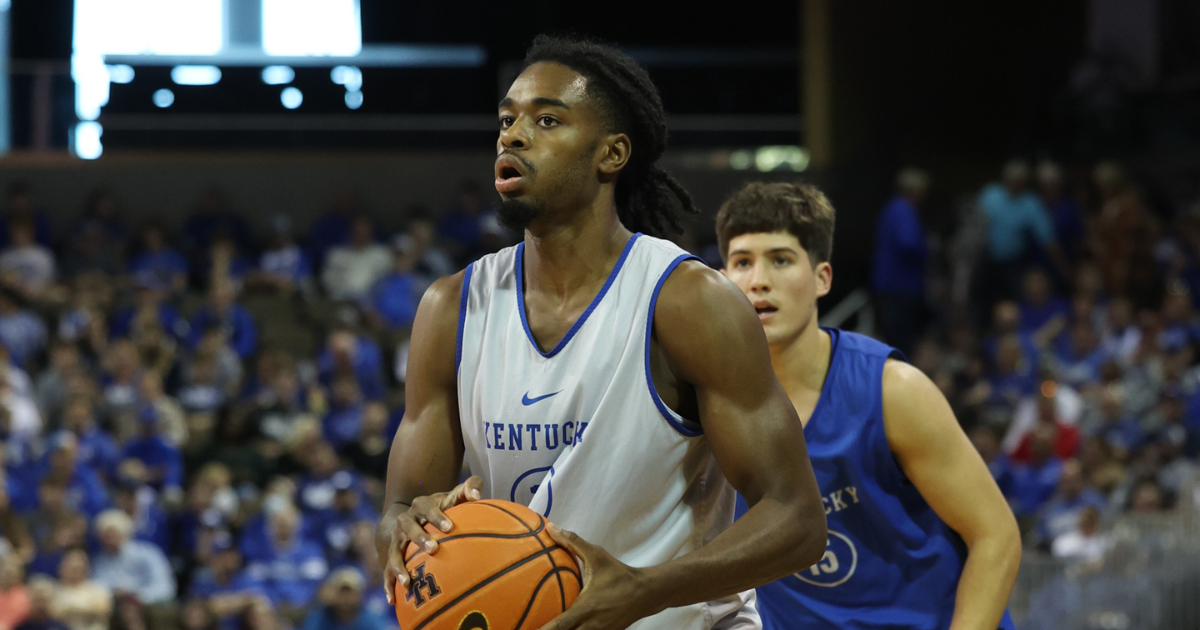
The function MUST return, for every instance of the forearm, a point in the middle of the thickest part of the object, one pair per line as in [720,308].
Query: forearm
[986,582]
[387,525]
[770,541]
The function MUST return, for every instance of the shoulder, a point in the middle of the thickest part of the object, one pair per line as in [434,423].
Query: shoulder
[443,297]
[913,405]
[903,382]
[693,288]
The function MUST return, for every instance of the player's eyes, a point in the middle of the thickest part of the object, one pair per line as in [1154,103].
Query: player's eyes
[547,121]
[741,263]
[506,122]
[782,261]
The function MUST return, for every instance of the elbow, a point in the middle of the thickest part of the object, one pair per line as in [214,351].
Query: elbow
[812,547]
[809,536]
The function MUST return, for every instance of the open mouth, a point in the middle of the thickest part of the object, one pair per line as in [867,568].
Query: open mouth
[508,176]
[765,311]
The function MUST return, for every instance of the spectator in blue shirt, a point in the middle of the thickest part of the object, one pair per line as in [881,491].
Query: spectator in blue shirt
[1180,326]
[1040,307]
[394,298]
[85,492]
[1119,429]
[222,311]
[163,462]
[21,331]
[1014,376]
[901,253]
[343,423]
[224,585]
[1018,226]
[1078,355]
[1061,514]
[341,605]
[149,304]
[158,266]
[316,489]
[291,567]
[97,449]
[348,512]
[1063,209]
[347,351]
[283,267]
[141,504]
[1033,483]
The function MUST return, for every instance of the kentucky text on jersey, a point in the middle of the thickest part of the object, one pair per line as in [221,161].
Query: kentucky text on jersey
[578,432]
[890,561]
[839,500]
[503,436]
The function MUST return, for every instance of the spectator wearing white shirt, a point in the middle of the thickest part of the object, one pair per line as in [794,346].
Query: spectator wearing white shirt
[137,572]
[1085,543]
[351,270]
[28,265]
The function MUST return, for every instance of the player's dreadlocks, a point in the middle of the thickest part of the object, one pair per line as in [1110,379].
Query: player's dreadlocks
[648,199]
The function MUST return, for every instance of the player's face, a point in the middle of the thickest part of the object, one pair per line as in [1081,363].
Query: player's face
[548,149]
[775,272]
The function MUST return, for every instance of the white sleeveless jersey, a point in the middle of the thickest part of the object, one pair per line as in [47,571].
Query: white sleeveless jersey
[579,433]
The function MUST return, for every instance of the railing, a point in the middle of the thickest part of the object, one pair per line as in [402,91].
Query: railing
[856,304]
[1149,578]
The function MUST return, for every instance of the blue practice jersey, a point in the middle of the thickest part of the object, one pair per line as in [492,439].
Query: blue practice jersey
[890,562]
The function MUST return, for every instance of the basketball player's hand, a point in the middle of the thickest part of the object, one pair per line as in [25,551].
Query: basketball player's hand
[409,528]
[613,595]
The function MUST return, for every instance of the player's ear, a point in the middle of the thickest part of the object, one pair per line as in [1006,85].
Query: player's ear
[824,276]
[615,153]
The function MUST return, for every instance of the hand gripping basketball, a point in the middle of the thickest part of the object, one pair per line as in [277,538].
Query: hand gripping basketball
[614,595]
[426,509]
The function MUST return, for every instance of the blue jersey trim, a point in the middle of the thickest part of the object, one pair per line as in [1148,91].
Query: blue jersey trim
[462,314]
[612,276]
[658,402]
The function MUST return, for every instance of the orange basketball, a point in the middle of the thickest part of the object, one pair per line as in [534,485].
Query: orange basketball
[497,569]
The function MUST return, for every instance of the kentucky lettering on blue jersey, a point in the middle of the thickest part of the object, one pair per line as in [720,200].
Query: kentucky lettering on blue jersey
[889,562]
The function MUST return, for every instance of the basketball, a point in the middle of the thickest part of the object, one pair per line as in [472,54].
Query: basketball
[496,569]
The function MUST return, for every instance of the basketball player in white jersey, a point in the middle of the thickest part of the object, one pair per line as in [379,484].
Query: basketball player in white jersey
[603,377]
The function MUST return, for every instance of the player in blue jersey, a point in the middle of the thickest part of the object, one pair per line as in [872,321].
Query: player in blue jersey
[919,534]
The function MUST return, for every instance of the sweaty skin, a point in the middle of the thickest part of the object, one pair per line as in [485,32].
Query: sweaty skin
[713,359]
[775,272]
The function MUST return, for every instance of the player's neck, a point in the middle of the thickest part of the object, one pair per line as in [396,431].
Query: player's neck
[802,362]
[565,256]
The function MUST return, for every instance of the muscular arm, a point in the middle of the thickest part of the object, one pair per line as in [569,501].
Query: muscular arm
[427,452]
[938,458]
[712,340]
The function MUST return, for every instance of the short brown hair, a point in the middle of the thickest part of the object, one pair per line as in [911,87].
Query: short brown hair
[802,210]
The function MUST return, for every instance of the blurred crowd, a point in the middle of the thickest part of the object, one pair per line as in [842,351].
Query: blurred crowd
[1060,320]
[195,422]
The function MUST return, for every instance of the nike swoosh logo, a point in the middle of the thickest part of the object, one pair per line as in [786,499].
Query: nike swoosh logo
[526,400]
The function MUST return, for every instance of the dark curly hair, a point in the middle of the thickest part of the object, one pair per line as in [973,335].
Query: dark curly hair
[648,199]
